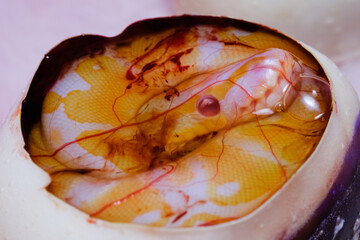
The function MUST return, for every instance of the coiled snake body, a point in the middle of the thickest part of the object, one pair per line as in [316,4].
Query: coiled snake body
[183,127]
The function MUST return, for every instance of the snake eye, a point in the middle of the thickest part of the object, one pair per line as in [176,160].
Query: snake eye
[208,106]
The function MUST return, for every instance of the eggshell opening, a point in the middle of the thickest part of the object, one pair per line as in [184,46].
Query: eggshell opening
[28,211]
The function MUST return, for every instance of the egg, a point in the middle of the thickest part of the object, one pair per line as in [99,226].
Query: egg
[319,199]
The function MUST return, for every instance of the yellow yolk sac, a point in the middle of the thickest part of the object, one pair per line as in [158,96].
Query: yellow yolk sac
[165,131]
[180,122]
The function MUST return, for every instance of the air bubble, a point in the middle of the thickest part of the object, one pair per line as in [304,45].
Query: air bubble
[279,107]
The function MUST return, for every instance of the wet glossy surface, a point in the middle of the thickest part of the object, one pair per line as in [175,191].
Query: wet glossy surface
[188,126]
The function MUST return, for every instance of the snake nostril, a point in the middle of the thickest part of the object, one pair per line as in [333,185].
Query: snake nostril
[208,106]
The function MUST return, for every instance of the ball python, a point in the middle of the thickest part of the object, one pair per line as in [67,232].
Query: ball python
[181,127]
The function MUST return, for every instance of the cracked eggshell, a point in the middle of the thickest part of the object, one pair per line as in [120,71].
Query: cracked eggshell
[327,25]
[28,211]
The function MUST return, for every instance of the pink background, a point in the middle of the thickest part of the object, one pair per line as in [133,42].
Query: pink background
[29,29]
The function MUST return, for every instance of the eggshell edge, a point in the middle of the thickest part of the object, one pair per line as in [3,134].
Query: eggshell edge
[28,211]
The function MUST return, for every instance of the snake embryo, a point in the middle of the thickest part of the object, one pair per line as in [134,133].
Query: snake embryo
[182,127]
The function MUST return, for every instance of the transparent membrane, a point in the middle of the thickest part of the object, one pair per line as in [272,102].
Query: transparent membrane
[181,128]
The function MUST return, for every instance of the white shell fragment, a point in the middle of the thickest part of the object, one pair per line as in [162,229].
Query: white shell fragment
[328,25]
